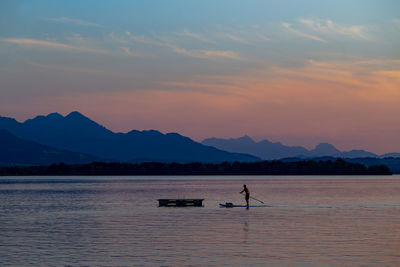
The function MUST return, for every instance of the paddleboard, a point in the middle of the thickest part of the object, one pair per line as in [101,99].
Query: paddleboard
[230,205]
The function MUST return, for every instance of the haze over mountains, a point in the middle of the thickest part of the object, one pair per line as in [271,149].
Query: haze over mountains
[271,151]
[77,133]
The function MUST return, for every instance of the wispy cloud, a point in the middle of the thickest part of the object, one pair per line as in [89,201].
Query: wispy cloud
[233,37]
[263,37]
[53,45]
[205,54]
[302,34]
[378,77]
[196,36]
[75,21]
[140,39]
[221,53]
[166,42]
[329,27]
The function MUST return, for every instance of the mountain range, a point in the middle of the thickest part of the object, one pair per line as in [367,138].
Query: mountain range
[267,150]
[76,139]
[76,133]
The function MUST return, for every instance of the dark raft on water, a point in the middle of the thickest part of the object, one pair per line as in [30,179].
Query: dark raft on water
[309,167]
[180,202]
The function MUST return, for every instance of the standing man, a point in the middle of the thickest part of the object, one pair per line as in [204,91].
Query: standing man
[246,190]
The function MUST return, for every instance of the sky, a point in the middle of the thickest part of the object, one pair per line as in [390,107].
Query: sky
[297,72]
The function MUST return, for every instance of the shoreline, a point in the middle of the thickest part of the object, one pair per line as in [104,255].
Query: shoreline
[338,167]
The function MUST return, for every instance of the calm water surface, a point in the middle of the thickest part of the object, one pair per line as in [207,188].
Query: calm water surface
[115,221]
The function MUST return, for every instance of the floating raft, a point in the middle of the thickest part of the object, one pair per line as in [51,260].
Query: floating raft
[188,202]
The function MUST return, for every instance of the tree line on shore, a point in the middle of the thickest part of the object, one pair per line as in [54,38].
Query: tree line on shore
[307,167]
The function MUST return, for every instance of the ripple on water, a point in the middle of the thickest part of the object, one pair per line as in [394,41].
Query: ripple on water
[312,222]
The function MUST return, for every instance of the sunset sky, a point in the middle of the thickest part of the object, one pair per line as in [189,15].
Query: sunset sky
[298,72]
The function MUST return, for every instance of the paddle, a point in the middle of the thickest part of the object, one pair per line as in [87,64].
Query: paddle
[255,199]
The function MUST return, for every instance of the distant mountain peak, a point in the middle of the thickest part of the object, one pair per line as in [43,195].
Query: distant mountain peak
[79,118]
[325,149]
[76,115]
[325,145]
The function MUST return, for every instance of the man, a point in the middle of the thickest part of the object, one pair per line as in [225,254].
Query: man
[246,190]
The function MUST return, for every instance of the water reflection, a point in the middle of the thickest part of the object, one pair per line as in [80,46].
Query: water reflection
[246,229]
[117,222]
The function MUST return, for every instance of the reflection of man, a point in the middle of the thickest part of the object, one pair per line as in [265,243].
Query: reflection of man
[246,190]
[246,229]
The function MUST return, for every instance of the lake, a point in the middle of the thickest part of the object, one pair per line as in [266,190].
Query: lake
[116,221]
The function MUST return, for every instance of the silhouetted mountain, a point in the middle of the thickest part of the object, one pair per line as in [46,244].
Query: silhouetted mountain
[263,149]
[323,149]
[16,151]
[76,132]
[53,129]
[270,151]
